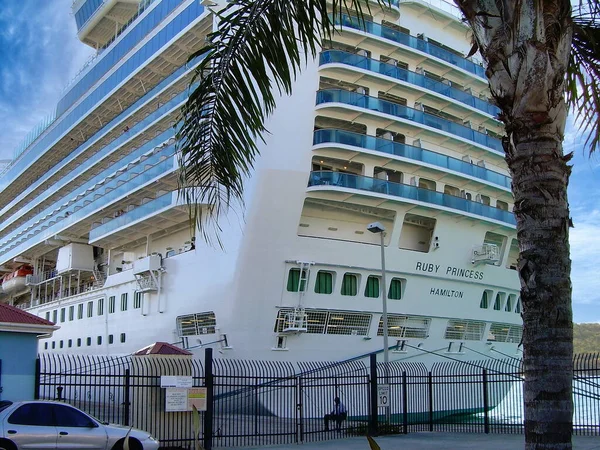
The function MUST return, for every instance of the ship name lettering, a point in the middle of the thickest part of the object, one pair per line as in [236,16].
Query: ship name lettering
[431,268]
[464,273]
[446,292]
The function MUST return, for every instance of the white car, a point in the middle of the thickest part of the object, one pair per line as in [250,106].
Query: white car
[38,425]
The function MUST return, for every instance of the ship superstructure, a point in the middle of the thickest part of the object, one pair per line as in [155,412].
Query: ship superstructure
[390,124]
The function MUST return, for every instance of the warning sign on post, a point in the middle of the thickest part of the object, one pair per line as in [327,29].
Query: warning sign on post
[176,399]
[383,395]
[197,398]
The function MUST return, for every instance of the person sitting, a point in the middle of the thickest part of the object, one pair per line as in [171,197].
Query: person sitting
[338,415]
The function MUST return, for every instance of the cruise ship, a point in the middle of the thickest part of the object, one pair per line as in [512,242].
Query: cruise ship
[390,123]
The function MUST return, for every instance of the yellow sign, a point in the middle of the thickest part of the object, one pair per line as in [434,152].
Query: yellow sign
[197,398]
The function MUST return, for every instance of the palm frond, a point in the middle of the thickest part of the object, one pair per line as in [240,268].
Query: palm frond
[583,72]
[254,51]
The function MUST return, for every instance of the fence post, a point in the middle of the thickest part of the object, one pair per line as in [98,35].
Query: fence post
[38,375]
[373,419]
[126,400]
[404,403]
[430,386]
[486,404]
[209,383]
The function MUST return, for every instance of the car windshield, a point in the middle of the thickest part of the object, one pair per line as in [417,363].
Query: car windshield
[4,404]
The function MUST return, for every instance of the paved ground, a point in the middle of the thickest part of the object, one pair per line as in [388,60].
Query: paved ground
[447,441]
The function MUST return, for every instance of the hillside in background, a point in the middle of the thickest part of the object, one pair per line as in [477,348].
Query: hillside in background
[586,337]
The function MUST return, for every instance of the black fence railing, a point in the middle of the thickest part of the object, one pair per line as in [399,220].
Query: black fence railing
[256,403]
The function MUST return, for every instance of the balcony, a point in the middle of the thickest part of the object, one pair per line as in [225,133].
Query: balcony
[347,138]
[409,114]
[350,59]
[161,213]
[337,181]
[414,43]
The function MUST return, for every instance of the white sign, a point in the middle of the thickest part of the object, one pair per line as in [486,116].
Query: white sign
[168,381]
[176,399]
[383,395]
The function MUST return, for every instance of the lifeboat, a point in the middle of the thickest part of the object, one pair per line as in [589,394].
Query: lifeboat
[16,280]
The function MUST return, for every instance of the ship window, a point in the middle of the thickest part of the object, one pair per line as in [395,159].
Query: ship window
[71,313]
[195,324]
[504,332]
[124,302]
[406,326]
[513,255]
[100,306]
[416,233]
[45,346]
[485,299]
[280,342]
[350,284]
[392,98]
[54,315]
[62,314]
[70,343]
[466,330]
[122,337]
[372,287]
[518,307]
[510,303]
[80,311]
[137,300]
[483,199]
[53,345]
[78,342]
[111,304]
[427,184]
[396,287]
[88,341]
[494,244]
[452,190]
[499,300]
[61,344]
[324,284]
[90,309]
[99,340]
[294,281]
[501,205]
[110,338]
[48,316]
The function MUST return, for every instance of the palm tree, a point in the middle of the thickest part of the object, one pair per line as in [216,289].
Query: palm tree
[541,58]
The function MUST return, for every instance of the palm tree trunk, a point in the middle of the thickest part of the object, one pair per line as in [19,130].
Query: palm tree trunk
[540,177]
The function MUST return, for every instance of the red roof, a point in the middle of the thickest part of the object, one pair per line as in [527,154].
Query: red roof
[10,314]
[161,348]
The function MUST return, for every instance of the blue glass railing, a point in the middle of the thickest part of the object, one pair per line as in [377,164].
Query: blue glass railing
[40,218]
[89,205]
[338,56]
[408,151]
[86,11]
[404,112]
[108,60]
[362,183]
[116,123]
[153,46]
[412,42]
[135,214]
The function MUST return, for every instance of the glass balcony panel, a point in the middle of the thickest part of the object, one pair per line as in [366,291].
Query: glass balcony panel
[324,178]
[413,42]
[362,62]
[404,112]
[408,151]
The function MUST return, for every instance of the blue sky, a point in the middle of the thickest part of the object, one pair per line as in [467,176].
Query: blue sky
[40,53]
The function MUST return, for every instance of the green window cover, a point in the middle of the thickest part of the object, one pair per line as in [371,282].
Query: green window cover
[484,300]
[324,284]
[395,292]
[372,288]
[294,279]
[349,284]
[497,302]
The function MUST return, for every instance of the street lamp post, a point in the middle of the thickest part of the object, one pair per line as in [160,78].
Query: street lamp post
[377,227]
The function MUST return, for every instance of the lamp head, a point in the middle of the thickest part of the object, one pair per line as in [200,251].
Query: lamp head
[376,227]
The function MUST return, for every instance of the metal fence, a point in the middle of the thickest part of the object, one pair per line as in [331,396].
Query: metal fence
[256,403]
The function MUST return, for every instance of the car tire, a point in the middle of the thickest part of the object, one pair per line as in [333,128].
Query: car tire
[5,444]
[134,444]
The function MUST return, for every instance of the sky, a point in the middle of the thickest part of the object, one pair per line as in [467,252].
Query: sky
[40,53]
